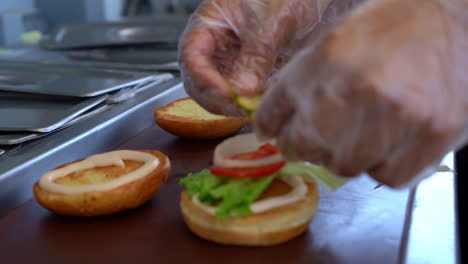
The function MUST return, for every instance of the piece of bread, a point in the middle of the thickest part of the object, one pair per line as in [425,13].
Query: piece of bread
[185,118]
[96,203]
[268,228]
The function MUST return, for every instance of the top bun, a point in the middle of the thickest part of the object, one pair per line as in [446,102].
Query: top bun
[185,118]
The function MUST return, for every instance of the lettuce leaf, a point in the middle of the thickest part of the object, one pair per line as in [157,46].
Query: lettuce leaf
[232,196]
[314,172]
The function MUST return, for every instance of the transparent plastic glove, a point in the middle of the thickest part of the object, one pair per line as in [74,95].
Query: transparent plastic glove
[385,93]
[234,46]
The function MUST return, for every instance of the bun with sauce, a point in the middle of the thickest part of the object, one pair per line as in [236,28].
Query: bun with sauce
[267,228]
[251,196]
[185,118]
[103,184]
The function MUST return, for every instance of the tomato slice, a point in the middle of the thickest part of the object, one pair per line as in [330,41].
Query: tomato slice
[263,151]
[248,172]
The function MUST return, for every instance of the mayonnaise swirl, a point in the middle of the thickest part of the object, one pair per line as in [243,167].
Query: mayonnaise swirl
[115,158]
[298,192]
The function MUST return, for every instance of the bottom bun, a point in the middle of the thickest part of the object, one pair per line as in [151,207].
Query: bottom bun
[97,203]
[268,228]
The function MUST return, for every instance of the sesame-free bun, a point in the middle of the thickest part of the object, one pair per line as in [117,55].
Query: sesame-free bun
[96,203]
[185,118]
[268,228]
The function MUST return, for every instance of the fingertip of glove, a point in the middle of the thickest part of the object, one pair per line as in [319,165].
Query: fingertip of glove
[246,84]
[261,126]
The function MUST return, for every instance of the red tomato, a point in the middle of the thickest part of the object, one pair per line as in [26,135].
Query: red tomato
[263,151]
[248,172]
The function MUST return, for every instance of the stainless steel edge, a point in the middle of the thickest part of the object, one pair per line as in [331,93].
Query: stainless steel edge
[432,236]
[121,66]
[20,169]
[117,87]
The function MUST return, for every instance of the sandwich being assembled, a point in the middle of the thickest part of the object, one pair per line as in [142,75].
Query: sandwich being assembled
[251,196]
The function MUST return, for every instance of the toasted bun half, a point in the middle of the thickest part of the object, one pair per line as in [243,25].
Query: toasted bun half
[185,118]
[97,203]
[269,228]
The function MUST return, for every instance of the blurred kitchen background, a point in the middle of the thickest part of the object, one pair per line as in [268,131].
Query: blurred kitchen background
[100,31]
[20,17]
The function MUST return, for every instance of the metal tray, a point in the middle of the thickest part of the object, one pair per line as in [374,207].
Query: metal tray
[126,59]
[5,150]
[162,30]
[26,112]
[147,55]
[65,80]
[12,138]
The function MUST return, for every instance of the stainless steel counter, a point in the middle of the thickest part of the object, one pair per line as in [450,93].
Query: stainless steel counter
[20,168]
[432,236]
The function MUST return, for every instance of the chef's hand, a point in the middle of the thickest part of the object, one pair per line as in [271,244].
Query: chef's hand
[384,93]
[234,46]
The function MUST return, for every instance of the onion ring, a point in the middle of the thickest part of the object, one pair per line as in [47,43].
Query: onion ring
[241,144]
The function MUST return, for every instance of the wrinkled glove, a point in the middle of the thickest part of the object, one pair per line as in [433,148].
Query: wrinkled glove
[385,93]
[235,46]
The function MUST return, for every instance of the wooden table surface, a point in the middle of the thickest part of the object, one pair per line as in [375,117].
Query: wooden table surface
[355,224]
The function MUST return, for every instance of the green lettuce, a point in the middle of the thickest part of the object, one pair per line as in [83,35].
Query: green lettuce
[314,172]
[233,196]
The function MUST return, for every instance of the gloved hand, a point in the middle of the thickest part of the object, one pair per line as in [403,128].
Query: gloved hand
[236,45]
[385,93]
